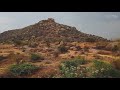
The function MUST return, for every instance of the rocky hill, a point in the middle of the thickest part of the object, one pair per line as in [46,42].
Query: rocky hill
[48,30]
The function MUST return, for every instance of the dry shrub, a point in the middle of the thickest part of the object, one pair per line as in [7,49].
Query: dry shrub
[116,53]
[116,63]
[78,48]
[97,56]
[18,58]
[104,52]
[62,49]
[2,57]
[114,46]
[36,57]
[33,44]
[11,55]
[50,73]
[56,53]
[86,48]
[101,45]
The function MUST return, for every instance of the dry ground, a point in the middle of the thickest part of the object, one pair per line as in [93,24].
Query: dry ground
[50,65]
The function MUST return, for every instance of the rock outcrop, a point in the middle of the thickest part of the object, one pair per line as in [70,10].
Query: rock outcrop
[48,30]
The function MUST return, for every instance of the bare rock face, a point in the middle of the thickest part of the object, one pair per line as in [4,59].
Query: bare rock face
[48,30]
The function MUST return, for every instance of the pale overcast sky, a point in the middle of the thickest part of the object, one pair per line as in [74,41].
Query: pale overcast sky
[105,24]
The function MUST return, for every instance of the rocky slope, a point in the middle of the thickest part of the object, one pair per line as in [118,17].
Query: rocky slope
[48,30]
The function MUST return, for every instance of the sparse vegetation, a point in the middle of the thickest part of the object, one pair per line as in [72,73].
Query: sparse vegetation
[62,51]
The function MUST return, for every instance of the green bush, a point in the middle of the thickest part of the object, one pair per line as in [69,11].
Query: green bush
[74,62]
[22,69]
[75,69]
[72,68]
[101,69]
[62,49]
[35,57]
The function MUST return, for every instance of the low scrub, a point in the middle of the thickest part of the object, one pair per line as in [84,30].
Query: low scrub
[36,57]
[62,49]
[23,69]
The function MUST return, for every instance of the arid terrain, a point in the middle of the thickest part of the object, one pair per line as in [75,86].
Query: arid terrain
[51,50]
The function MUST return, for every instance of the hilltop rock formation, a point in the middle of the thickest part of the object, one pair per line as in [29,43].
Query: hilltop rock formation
[48,30]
